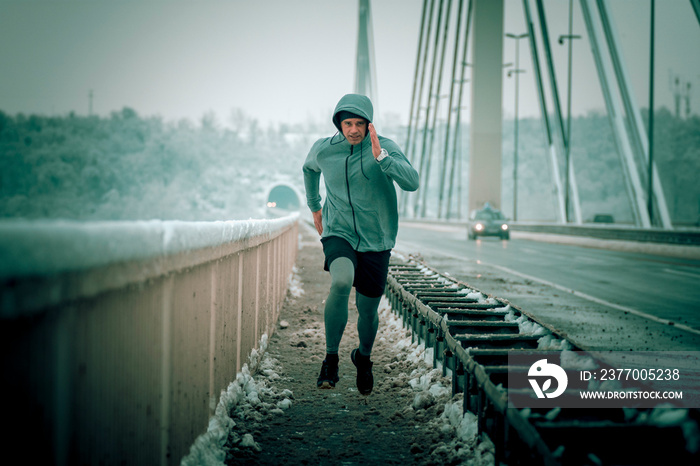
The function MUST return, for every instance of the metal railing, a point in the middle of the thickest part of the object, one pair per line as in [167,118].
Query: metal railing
[473,335]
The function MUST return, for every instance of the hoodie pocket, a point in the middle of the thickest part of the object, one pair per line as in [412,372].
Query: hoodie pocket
[340,221]
[369,227]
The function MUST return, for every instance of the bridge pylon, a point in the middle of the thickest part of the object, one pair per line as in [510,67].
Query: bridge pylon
[365,68]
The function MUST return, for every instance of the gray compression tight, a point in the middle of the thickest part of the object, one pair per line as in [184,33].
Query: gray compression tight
[336,312]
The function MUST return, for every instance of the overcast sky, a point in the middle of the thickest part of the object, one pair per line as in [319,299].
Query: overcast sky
[283,61]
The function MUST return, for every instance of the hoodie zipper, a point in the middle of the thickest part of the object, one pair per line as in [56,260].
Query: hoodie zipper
[347,185]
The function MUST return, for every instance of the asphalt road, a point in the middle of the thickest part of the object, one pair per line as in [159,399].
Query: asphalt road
[603,298]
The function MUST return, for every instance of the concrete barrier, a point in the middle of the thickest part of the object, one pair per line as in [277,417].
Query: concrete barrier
[688,236]
[116,339]
[621,233]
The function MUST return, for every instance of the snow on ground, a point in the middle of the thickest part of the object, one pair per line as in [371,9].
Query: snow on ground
[430,388]
[252,398]
[258,396]
[294,286]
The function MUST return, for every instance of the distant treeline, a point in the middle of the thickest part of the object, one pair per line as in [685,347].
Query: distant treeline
[129,167]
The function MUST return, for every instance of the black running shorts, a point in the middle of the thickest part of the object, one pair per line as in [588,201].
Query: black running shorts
[371,268]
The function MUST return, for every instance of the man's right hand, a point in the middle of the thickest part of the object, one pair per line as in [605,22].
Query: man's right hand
[318,221]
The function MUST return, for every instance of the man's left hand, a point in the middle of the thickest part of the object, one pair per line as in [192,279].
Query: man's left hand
[376,148]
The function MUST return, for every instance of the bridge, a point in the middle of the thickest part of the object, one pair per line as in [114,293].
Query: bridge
[118,338]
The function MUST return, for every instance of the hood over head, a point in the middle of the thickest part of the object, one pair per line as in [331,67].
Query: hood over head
[357,104]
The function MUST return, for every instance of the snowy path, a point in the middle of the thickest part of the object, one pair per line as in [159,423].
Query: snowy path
[276,415]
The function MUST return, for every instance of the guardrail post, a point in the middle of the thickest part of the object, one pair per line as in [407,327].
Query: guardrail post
[449,359]
[422,332]
[213,316]
[263,285]
[433,344]
[270,288]
[481,411]
[414,316]
[257,296]
[468,380]
[239,309]
[497,436]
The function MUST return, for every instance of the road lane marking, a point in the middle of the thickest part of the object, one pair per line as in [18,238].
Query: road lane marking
[565,289]
[687,274]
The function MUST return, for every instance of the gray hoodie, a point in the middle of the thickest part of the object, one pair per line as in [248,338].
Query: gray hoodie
[360,204]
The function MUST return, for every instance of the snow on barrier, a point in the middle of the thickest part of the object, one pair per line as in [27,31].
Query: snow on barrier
[116,338]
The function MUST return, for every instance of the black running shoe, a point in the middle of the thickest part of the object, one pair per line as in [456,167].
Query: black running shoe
[328,376]
[365,380]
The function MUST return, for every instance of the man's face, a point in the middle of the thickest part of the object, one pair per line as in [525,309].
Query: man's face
[354,129]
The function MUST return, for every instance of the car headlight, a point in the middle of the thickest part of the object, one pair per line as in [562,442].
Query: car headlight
[504,227]
[478,227]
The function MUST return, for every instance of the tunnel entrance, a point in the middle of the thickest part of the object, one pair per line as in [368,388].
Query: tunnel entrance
[283,198]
